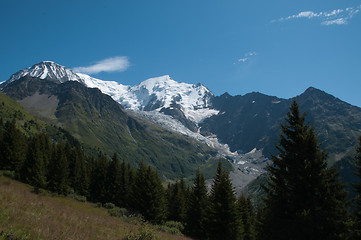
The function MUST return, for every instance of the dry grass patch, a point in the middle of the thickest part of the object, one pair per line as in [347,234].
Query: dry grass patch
[42,217]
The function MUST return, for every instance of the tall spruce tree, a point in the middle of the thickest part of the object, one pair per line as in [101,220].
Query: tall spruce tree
[114,181]
[14,148]
[79,175]
[247,216]
[177,201]
[305,200]
[126,185]
[223,218]
[196,219]
[148,194]
[34,169]
[59,170]
[98,179]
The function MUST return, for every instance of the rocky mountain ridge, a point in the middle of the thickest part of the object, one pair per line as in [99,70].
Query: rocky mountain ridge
[100,123]
[243,129]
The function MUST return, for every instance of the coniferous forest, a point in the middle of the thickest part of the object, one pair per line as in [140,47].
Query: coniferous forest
[305,199]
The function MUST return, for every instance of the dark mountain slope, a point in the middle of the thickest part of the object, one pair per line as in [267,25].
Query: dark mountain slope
[96,120]
[252,120]
[246,122]
[337,123]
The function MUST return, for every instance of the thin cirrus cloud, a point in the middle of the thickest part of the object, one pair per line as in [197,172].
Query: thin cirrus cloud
[334,17]
[246,57]
[113,64]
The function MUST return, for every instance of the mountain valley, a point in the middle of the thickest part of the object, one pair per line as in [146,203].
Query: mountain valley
[139,122]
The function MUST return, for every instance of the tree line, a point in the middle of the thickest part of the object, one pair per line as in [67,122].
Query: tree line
[63,168]
[304,198]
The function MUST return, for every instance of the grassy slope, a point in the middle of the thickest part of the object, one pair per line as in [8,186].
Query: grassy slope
[99,122]
[27,123]
[41,217]
[10,109]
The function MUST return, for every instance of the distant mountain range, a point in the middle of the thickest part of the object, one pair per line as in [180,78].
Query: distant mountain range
[242,129]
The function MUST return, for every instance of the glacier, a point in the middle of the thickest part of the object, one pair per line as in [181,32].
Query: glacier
[149,98]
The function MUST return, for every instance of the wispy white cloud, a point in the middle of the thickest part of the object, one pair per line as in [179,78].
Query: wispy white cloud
[334,17]
[113,64]
[338,21]
[250,54]
[246,57]
[242,59]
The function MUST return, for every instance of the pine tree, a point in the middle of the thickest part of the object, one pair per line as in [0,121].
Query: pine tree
[247,216]
[223,220]
[305,200]
[14,148]
[114,181]
[79,176]
[98,190]
[126,185]
[34,169]
[59,170]
[196,219]
[177,201]
[148,194]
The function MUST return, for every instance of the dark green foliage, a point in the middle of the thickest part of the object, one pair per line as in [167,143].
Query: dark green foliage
[13,149]
[247,216]
[305,200]
[114,181]
[126,185]
[118,212]
[223,219]
[59,170]
[98,180]
[357,186]
[176,196]
[148,194]
[35,168]
[172,227]
[198,208]
[79,176]
[45,163]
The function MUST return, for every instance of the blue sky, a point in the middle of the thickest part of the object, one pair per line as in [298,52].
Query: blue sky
[278,47]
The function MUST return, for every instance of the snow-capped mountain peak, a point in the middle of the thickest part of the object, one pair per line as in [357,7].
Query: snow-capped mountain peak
[161,94]
[49,70]
[155,94]
[165,93]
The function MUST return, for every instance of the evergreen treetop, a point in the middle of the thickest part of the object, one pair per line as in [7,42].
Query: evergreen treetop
[198,209]
[305,200]
[223,218]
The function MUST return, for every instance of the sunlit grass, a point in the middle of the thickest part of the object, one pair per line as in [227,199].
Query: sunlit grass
[32,216]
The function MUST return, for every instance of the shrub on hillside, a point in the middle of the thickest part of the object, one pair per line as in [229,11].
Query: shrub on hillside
[118,212]
[145,233]
[10,235]
[109,205]
[172,227]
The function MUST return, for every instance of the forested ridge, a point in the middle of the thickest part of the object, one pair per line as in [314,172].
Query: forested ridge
[305,199]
